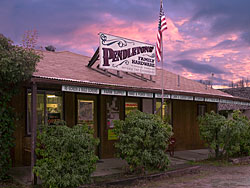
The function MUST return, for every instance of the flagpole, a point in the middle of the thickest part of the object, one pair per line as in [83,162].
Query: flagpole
[162,83]
[159,45]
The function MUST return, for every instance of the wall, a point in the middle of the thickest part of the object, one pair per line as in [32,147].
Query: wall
[184,116]
[70,112]
[18,103]
[185,124]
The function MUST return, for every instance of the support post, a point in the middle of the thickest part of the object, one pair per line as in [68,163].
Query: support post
[33,129]
[154,105]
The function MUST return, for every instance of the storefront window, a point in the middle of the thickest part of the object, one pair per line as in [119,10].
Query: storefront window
[54,108]
[49,108]
[147,106]
[130,106]
[166,110]
[86,112]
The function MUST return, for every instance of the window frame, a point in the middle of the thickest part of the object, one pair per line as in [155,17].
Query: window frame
[44,92]
[199,113]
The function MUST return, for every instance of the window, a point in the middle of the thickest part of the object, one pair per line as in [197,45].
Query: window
[202,109]
[53,107]
[86,112]
[49,108]
[130,106]
[147,106]
[113,111]
[166,110]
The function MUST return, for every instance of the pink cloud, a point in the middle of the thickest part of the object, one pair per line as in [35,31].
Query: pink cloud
[85,40]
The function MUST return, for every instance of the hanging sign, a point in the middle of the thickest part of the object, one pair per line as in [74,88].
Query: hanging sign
[113,92]
[182,97]
[225,101]
[165,96]
[126,55]
[80,89]
[244,103]
[212,100]
[140,94]
[237,102]
[199,98]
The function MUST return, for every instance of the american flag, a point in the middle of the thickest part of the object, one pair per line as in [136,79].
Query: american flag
[161,28]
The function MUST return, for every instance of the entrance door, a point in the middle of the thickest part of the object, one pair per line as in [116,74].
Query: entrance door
[87,111]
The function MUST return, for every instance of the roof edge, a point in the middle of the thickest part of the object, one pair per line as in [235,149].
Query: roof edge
[143,88]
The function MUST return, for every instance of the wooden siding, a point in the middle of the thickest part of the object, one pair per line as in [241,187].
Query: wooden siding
[185,124]
[184,115]
[70,108]
[18,103]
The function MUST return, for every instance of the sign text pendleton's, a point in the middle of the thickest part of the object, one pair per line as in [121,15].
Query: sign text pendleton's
[126,55]
[119,55]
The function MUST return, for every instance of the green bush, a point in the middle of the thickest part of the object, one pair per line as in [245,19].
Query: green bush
[242,133]
[17,65]
[7,129]
[227,137]
[143,139]
[210,130]
[66,156]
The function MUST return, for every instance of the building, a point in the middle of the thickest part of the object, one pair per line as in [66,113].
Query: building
[67,86]
[243,92]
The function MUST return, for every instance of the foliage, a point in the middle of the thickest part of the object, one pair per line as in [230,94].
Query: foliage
[227,137]
[6,138]
[241,124]
[210,130]
[143,139]
[66,156]
[16,66]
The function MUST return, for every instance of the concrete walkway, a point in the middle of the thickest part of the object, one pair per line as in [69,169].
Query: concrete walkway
[113,166]
[116,166]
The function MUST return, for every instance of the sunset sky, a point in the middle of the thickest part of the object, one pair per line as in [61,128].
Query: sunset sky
[203,36]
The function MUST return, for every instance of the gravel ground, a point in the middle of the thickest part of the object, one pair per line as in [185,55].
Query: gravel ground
[210,176]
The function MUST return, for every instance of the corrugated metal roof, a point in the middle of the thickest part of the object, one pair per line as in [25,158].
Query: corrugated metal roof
[73,67]
[243,92]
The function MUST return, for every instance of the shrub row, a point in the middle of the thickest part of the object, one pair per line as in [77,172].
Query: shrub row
[226,137]
[66,156]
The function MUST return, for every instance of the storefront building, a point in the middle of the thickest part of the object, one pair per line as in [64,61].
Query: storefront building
[66,87]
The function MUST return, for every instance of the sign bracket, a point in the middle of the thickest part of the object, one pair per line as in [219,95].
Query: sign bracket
[94,58]
[117,75]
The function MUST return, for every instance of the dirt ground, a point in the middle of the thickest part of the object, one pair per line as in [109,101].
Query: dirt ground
[209,176]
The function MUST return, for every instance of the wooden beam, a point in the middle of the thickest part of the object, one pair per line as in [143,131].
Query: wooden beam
[154,105]
[106,71]
[136,76]
[33,129]
[100,71]
[94,58]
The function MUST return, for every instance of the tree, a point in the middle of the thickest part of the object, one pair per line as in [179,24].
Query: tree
[17,64]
